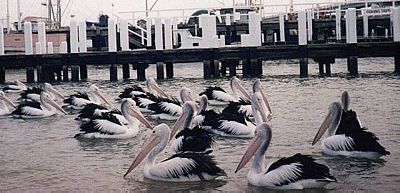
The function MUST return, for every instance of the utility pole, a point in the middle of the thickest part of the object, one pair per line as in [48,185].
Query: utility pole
[147,8]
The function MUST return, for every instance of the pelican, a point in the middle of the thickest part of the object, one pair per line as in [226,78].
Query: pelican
[153,88]
[29,110]
[18,86]
[131,92]
[33,94]
[170,109]
[108,126]
[295,172]
[244,106]
[79,100]
[239,126]
[207,119]
[190,139]
[218,96]
[181,167]
[93,111]
[5,103]
[354,140]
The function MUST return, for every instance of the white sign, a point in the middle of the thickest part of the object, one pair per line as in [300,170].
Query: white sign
[379,11]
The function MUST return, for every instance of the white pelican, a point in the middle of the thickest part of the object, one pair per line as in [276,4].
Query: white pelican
[181,167]
[295,172]
[190,139]
[18,86]
[33,94]
[131,92]
[93,111]
[218,96]
[352,141]
[47,107]
[240,126]
[5,103]
[109,126]
[170,109]
[244,106]
[153,88]
[79,100]
[207,119]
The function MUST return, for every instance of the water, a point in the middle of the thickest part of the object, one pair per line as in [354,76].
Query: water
[42,155]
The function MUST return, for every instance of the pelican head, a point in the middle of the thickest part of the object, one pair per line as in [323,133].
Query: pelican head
[235,83]
[154,145]
[7,100]
[331,121]
[258,146]
[345,101]
[258,88]
[19,83]
[129,107]
[153,87]
[203,102]
[186,95]
[96,91]
[49,88]
[259,108]
[48,102]
[185,118]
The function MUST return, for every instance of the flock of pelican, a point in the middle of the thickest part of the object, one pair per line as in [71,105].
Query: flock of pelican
[191,137]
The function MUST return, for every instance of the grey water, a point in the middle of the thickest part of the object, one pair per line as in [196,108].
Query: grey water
[43,155]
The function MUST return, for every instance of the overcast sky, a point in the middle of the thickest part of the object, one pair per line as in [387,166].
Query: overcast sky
[90,9]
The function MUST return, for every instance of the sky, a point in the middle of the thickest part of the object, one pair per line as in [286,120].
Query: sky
[90,9]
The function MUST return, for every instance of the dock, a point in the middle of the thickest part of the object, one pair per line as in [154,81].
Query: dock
[163,48]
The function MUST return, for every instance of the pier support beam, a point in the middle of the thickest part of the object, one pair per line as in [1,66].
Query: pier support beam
[324,61]
[65,73]
[125,71]
[397,64]
[232,67]
[170,69]
[216,71]
[2,74]
[246,68]
[207,69]
[140,70]
[303,61]
[160,70]
[39,73]
[75,73]
[352,59]
[83,72]
[328,69]
[30,74]
[113,72]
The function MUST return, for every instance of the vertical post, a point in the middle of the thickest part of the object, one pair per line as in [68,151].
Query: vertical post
[365,22]
[28,38]
[64,50]
[39,71]
[75,73]
[259,69]
[113,72]
[175,34]
[148,30]
[125,71]
[246,67]
[351,26]
[50,49]
[170,69]
[112,36]
[321,69]
[42,37]
[124,36]
[216,70]
[232,68]
[282,27]
[30,71]
[328,69]
[158,34]
[160,70]
[2,73]
[168,33]
[73,36]
[141,71]
[83,71]
[352,63]
[82,37]
[302,28]
[310,16]
[207,69]
[303,61]
[1,39]
[338,24]
[19,16]
[396,23]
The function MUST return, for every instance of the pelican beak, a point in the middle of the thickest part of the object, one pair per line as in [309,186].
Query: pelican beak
[54,91]
[55,105]
[138,115]
[97,92]
[266,102]
[159,91]
[251,150]
[263,113]
[242,90]
[178,124]
[148,146]
[8,101]
[323,128]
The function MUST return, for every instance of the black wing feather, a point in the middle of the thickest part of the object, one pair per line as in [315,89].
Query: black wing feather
[33,104]
[195,140]
[34,90]
[209,91]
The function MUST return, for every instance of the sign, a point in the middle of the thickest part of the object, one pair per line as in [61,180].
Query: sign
[375,12]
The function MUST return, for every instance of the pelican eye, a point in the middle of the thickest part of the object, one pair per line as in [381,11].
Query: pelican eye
[154,131]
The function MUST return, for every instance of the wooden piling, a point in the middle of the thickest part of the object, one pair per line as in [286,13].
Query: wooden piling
[113,72]
[246,68]
[321,69]
[2,74]
[39,73]
[65,73]
[83,72]
[232,67]
[160,70]
[216,71]
[397,64]
[207,69]
[303,61]
[74,73]
[140,70]
[259,69]
[125,71]
[328,69]
[352,63]
[253,68]
[170,69]
[223,68]
[30,74]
